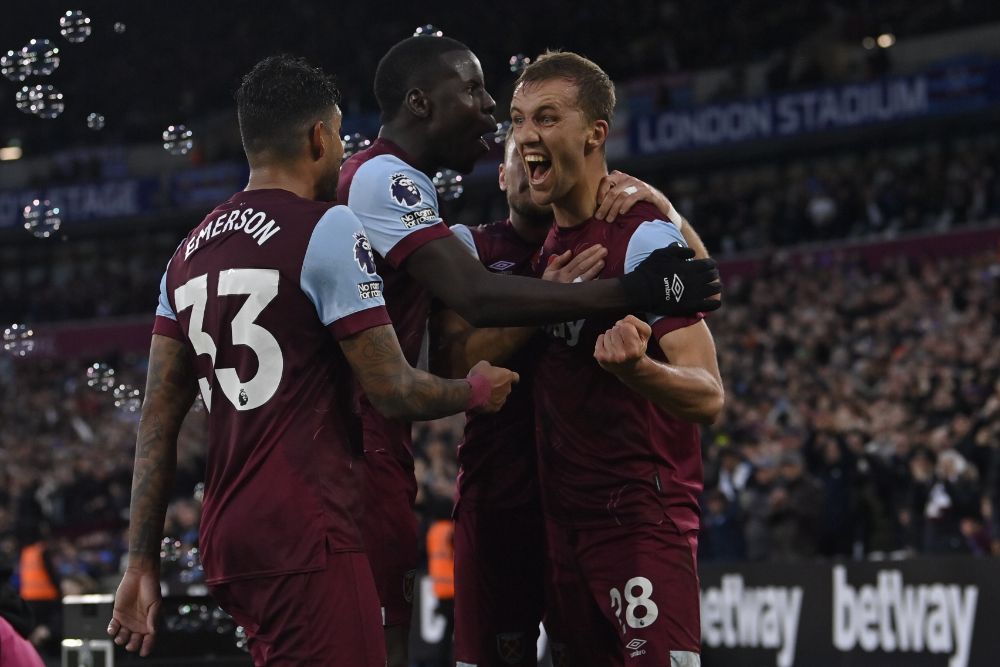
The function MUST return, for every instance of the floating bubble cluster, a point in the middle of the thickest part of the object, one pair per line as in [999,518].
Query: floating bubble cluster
[75,26]
[40,57]
[44,101]
[427,31]
[354,143]
[519,62]
[127,398]
[12,66]
[500,136]
[178,140]
[119,27]
[41,218]
[95,122]
[18,340]
[100,377]
[449,184]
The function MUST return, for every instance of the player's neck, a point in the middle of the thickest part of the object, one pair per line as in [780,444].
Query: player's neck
[530,230]
[413,143]
[579,204]
[270,177]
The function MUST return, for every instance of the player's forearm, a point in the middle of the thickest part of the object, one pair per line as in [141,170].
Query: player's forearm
[395,388]
[497,300]
[687,392]
[495,345]
[152,481]
[170,390]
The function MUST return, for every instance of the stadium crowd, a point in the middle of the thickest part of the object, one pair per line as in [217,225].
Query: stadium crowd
[886,192]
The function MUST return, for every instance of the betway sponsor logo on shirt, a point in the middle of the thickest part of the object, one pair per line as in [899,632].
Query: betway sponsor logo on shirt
[891,616]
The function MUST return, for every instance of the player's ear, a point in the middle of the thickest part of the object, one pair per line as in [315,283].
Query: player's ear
[317,142]
[502,179]
[417,103]
[597,135]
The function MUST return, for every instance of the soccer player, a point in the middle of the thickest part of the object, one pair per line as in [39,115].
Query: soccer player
[617,403]
[270,306]
[435,111]
[499,531]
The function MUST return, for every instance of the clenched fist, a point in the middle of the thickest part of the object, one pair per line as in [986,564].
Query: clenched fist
[619,349]
[490,387]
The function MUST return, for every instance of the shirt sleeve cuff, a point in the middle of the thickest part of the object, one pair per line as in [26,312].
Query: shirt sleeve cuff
[665,325]
[363,319]
[164,326]
[413,241]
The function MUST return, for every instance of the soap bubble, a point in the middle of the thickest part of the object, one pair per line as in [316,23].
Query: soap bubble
[95,122]
[13,67]
[119,27]
[354,143]
[500,136]
[45,101]
[18,340]
[100,377]
[519,62]
[427,30]
[75,26]
[41,218]
[40,57]
[178,140]
[449,184]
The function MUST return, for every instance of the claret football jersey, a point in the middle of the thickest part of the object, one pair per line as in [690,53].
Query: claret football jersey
[260,292]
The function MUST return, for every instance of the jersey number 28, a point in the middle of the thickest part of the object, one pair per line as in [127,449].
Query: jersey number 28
[262,286]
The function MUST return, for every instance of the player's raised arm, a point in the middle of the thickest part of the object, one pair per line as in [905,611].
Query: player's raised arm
[400,391]
[398,205]
[456,345]
[486,299]
[170,390]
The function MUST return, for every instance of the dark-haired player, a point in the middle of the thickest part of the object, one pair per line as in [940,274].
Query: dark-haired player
[499,528]
[617,402]
[267,306]
[435,111]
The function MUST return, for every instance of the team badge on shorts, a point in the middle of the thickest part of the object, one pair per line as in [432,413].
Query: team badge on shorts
[408,580]
[510,647]
[404,190]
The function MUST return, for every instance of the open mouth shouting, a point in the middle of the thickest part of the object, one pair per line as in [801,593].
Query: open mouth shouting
[538,167]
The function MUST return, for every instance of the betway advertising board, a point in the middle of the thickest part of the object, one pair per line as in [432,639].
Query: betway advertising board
[942,612]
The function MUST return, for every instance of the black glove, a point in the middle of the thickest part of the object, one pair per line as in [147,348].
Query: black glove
[671,282]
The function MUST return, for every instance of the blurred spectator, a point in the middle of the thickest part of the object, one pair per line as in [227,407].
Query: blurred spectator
[794,511]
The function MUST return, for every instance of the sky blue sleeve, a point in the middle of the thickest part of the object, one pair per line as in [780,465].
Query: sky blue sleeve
[163,308]
[393,201]
[338,270]
[649,236]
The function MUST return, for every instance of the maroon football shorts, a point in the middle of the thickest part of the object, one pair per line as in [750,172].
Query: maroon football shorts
[329,616]
[389,529]
[499,585]
[624,595]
